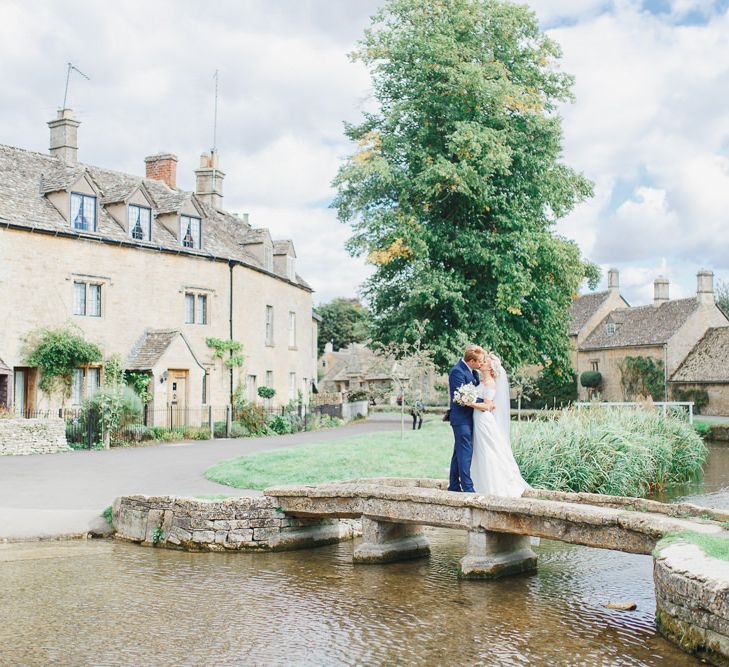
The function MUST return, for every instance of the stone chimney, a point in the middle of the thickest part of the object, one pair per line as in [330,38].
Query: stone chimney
[614,280]
[705,286]
[64,137]
[660,291]
[162,167]
[209,180]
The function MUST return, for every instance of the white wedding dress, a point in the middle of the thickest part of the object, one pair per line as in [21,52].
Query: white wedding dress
[494,470]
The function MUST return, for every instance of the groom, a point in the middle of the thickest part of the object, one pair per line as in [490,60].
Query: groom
[461,418]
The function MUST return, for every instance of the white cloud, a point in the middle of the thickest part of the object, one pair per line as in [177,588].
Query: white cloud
[650,125]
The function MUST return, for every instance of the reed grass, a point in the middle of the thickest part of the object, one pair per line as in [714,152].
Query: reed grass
[619,452]
[609,451]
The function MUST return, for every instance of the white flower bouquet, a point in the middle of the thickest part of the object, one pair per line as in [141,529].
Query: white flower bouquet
[465,395]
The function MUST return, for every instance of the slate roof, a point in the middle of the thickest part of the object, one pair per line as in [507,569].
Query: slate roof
[148,350]
[583,308]
[4,368]
[283,248]
[641,325]
[26,175]
[355,361]
[709,359]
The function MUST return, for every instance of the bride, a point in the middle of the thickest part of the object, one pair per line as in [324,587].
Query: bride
[493,469]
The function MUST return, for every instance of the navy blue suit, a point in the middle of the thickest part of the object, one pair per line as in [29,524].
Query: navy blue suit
[462,424]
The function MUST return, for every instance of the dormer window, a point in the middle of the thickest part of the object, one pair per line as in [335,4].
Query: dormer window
[83,212]
[140,222]
[190,231]
[291,269]
[267,257]
[610,328]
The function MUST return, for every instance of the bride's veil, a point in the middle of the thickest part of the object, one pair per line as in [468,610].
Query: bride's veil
[502,413]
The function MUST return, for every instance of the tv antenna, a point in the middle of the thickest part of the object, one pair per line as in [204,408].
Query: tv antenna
[215,114]
[73,67]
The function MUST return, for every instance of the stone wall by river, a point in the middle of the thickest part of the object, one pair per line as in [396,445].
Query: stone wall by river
[231,524]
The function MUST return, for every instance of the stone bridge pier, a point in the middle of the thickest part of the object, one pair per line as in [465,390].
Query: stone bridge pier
[386,542]
[490,555]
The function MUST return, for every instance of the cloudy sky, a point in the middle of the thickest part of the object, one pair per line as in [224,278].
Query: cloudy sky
[650,125]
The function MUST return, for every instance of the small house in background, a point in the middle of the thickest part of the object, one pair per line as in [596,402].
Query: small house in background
[703,376]
[665,331]
[588,310]
[357,368]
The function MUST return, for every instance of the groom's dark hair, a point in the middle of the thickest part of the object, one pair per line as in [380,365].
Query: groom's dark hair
[473,353]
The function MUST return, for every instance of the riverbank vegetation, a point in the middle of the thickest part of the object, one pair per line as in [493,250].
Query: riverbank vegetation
[602,451]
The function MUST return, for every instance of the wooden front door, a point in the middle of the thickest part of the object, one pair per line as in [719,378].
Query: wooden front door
[23,389]
[177,397]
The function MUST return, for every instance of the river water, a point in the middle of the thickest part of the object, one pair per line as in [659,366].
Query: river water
[107,603]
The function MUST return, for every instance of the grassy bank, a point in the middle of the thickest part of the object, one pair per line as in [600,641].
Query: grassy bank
[612,452]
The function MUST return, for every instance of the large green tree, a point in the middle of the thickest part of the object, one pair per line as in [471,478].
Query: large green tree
[343,321]
[457,180]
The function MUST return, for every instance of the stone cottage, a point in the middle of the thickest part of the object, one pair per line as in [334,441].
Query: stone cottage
[146,271]
[707,368]
[666,331]
[588,310]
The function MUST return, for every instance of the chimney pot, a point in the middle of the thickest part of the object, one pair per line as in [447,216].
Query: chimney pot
[660,291]
[705,286]
[64,136]
[162,167]
[614,279]
[209,180]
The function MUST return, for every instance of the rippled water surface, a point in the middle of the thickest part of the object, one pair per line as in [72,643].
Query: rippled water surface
[106,603]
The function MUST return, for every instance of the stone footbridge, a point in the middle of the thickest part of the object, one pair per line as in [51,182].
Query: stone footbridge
[692,588]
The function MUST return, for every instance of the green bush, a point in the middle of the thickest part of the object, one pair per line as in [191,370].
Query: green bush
[554,390]
[252,417]
[266,392]
[591,379]
[237,430]
[610,451]
[358,395]
[279,424]
[700,397]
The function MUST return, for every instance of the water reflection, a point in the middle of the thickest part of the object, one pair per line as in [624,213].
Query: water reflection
[106,603]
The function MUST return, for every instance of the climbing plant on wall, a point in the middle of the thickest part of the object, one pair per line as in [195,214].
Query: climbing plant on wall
[220,346]
[56,352]
[642,376]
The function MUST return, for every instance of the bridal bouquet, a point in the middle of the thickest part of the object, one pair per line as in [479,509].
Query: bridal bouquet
[465,395]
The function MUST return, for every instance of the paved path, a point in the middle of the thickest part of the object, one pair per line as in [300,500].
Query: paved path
[57,495]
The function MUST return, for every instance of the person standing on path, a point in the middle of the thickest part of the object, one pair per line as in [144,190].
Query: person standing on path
[417,414]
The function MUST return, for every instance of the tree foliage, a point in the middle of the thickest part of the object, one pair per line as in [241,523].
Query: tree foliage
[343,321]
[456,182]
[56,352]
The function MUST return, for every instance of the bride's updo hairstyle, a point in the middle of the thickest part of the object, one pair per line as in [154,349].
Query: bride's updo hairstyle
[495,365]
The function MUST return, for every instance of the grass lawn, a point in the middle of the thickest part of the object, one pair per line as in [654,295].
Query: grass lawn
[423,453]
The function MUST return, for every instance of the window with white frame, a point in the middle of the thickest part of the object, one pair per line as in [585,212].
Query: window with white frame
[291,268]
[610,328]
[269,378]
[292,386]
[190,229]
[267,257]
[84,383]
[83,211]
[269,325]
[196,308]
[86,299]
[292,329]
[140,222]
